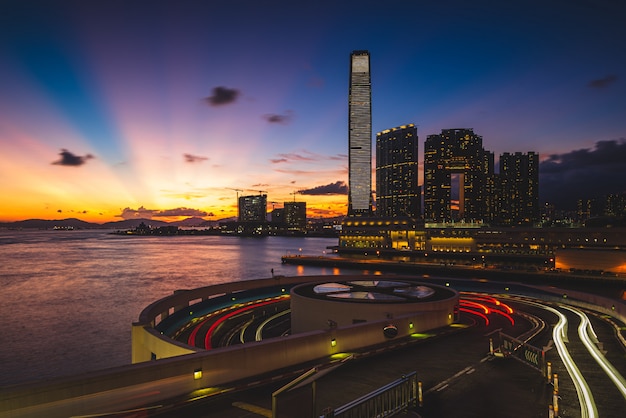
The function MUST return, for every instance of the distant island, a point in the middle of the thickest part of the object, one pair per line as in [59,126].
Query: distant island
[322,227]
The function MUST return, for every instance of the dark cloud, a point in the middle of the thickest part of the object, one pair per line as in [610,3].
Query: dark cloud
[279,119]
[222,96]
[333,188]
[601,83]
[69,159]
[140,213]
[143,213]
[278,160]
[584,173]
[180,212]
[190,158]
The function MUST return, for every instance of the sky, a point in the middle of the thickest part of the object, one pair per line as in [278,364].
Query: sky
[113,110]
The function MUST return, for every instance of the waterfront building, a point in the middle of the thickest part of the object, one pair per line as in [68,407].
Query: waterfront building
[519,188]
[375,234]
[360,136]
[295,216]
[252,218]
[397,191]
[456,176]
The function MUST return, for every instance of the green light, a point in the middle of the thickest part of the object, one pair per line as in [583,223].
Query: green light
[421,336]
[333,342]
[340,356]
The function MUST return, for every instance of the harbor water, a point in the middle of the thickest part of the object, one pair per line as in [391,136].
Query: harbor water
[69,297]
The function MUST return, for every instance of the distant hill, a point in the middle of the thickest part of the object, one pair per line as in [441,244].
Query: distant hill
[122,224]
[50,224]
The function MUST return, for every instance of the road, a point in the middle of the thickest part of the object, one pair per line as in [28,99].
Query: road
[459,376]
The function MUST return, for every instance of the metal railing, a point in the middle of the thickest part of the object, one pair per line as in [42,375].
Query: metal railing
[386,401]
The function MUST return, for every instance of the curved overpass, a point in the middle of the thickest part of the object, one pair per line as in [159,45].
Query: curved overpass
[153,381]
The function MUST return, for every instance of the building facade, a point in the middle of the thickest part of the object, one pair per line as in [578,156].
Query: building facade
[253,209]
[457,173]
[295,216]
[519,188]
[360,135]
[397,167]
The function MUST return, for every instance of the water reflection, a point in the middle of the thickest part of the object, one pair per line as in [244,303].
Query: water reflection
[69,297]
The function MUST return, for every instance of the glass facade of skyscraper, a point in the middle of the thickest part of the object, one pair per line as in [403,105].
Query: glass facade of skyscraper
[360,135]
[397,166]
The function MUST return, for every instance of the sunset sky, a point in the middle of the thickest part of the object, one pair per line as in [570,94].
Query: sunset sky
[121,109]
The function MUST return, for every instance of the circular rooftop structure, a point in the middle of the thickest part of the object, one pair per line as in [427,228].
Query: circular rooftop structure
[346,302]
[374,290]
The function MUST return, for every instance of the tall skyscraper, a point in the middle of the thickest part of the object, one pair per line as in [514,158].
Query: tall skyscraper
[456,174]
[360,136]
[519,188]
[397,166]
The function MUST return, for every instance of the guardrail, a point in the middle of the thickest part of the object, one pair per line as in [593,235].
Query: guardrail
[397,396]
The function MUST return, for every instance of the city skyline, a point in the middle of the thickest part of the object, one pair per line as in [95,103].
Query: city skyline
[162,109]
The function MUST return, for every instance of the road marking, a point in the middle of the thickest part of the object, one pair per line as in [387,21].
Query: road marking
[253,408]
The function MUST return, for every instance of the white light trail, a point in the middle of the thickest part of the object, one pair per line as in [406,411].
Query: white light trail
[588,407]
[583,332]
[259,330]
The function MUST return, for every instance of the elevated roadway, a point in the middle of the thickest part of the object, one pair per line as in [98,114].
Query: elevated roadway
[441,371]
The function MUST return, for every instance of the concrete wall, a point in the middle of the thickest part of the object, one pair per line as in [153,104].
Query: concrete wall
[131,386]
[309,313]
[148,344]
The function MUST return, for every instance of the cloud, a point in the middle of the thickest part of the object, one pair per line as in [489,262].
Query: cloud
[583,174]
[180,212]
[143,213]
[190,158]
[601,83]
[306,156]
[338,187]
[279,119]
[222,96]
[69,159]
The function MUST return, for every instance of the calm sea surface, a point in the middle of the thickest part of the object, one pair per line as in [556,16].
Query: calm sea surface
[69,297]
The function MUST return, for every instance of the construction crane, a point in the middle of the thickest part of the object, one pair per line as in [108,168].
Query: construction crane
[237,190]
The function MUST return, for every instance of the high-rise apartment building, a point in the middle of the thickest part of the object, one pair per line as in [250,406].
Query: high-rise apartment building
[295,215]
[253,209]
[360,136]
[397,166]
[457,170]
[519,188]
